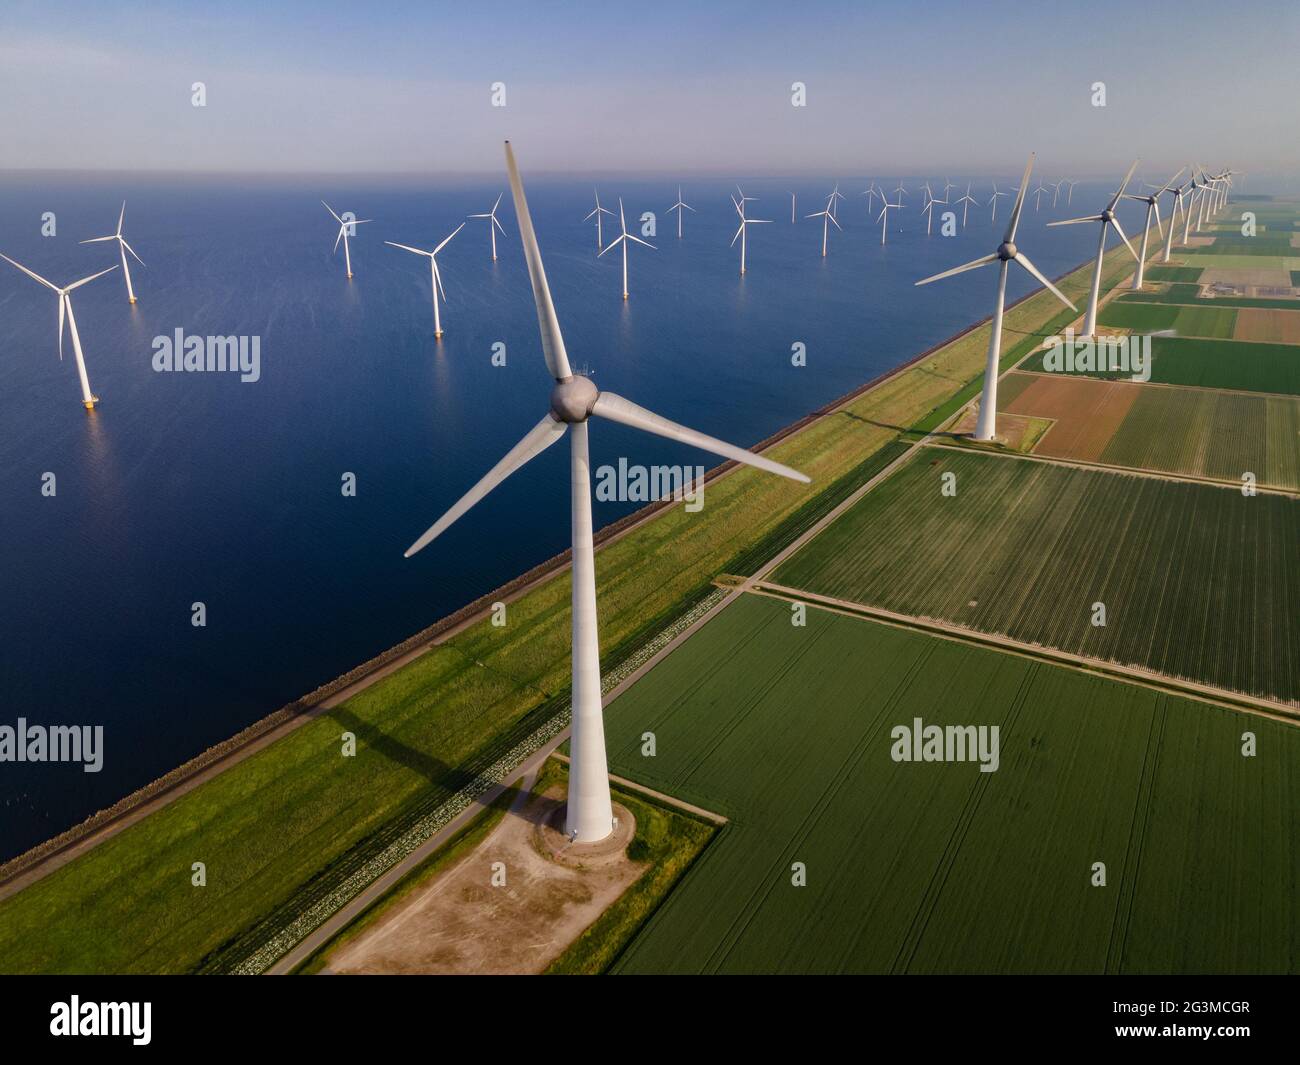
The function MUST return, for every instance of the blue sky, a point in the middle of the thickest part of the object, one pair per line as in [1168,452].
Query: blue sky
[680,87]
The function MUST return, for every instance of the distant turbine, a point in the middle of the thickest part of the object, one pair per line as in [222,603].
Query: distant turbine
[88,399]
[679,206]
[623,238]
[871,193]
[1070,198]
[792,208]
[344,234]
[883,217]
[600,240]
[1107,218]
[123,247]
[928,210]
[493,225]
[574,400]
[1006,254]
[1038,195]
[901,192]
[966,201]
[1152,200]
[836,195]
[1177,192]
[828,219]
[744,224]
[1056,190]
[435,274]
[994,201]
[947,186]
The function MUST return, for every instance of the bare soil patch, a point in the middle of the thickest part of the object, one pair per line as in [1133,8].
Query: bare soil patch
[461,923]
[1086,413]
[1273,326]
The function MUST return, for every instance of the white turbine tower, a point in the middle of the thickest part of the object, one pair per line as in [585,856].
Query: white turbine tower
[600,239]
[901,192]
[623,239]
[966,201]
[493,225]
[1152,200]
[883,217]
[123,247]
[346,230]
[1006,254]
[928,210]
[573,401]
[88,399]
[828,219]
[435,275]
[993,200]
[792,208]
[679,206]
[745,223]
[871,192]
[1107,218]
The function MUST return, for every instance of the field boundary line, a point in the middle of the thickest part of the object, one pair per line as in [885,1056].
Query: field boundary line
[1279,711]
[711,816]
[1159,384]
[1106,467]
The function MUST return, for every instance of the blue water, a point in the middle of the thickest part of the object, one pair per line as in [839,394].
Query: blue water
[196,487]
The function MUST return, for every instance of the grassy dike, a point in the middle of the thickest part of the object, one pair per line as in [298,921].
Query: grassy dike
[273,827]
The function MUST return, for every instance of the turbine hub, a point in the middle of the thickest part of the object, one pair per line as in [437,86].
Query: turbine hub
[1108,215]
[573,398]
[1006,250]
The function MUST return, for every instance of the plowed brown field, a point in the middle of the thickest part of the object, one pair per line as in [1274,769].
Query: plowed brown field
[1085,418]
[1276,327]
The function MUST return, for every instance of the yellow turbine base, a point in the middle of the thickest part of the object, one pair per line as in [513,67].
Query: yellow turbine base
[625,295]
[131,299]
[89,404]
[437,335]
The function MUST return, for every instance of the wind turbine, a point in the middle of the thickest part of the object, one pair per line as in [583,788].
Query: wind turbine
[1152,200]
[744,224]
[622,238]
[1006,253]
[966,201]
[883,217]
[574,400]
[836,195]
[792,208]
[493,225]
[1177,192]
[901,192]
[828,219]
[1107,218]
[344,234]
[678,207]
[947,185]
[123,247]
[928,210]
[1038,195]
[871,193]
[88,399]
[600,240]
[435,274]
[994,201]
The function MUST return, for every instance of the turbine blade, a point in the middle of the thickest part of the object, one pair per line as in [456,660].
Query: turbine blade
[1123,185]
[448,240]
[331,211]
[1016,208]
[437,277]
[612,244]
[88,280]
[538,439]
[342,229]
[1023,260]
[639,240]
[618,409]
[1076,221]
[833,222]
[29,273]
[974,264]
[132,251]
[98,240]
[121,218]
[1122,236]
[739,230]
[407,247]
[557,360]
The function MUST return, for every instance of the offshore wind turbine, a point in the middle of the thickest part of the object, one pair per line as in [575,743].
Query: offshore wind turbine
[828,219]
[1152,200]
[1038,195]
[600,240]
[883,217]
[493,225]
[344,234]
[871,192]
[435,275]
[901,192]
[928,210]
[88,399]
[1007,253]
[966,201]
[792,208]
[588,816]
[123,247]
[744,225]
[679,206]
[1107,218]
[623,239]
[994,201]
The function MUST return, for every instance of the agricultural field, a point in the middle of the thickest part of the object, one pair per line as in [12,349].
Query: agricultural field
[1181,274]
[1198,581]
[929,867]
[1189,295]
[1203,363]
[1268,326]
[1186,431]
[1212,322]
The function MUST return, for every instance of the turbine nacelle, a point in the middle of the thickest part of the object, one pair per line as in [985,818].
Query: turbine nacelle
[1006,250]
[573,398]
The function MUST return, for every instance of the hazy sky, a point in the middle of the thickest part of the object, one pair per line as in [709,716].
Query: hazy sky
[680,87]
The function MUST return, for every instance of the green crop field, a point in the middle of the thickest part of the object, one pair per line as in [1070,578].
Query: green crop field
[924,867]
[1198,581]
[1241,365]
[1212,322]
[1188,296]
[1203,433]
[1182,274]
